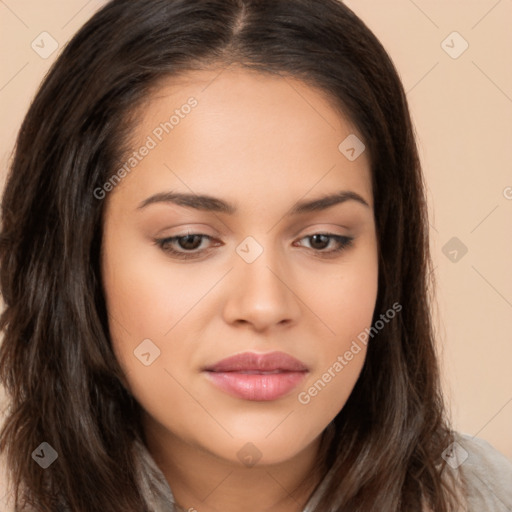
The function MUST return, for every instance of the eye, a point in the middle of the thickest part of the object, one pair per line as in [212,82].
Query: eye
[320,241]
[187,243]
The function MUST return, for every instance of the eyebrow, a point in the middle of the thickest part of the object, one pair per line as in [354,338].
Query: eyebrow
[213,204]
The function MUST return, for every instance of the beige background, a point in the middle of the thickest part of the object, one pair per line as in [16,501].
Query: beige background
[462,110]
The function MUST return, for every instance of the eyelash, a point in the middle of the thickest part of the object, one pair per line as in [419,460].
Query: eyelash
[344,242]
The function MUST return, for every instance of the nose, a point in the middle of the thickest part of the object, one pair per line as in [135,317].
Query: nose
[262,294]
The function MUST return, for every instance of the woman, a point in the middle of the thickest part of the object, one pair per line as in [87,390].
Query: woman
[178,334]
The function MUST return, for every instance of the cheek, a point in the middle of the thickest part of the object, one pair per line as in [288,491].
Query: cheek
[146,297]
[345,296]
[347,302]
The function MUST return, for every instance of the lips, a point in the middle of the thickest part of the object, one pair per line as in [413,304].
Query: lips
[252,362]
[259,377]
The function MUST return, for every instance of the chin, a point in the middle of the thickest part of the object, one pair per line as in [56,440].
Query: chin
[252,449]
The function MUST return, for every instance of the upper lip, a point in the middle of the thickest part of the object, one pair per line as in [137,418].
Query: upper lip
[251,361]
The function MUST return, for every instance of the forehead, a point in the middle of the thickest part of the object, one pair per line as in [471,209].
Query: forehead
[238,130]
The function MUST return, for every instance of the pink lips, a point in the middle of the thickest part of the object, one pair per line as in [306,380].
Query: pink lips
[252,376]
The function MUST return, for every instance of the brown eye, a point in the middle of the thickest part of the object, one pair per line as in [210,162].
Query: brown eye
[320,241]
[189,242]
[184,246]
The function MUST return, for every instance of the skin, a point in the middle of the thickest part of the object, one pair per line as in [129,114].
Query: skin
[262,143]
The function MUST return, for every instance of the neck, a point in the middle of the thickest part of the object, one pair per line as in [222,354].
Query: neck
[202,482]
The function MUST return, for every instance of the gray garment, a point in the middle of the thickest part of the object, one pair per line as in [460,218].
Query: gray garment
[486,472]
[488,476]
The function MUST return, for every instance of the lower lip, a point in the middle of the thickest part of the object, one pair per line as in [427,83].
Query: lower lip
[261,387]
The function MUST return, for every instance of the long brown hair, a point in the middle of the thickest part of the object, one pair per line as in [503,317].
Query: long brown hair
[56,361]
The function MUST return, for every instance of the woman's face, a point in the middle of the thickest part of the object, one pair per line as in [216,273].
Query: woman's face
[252,278]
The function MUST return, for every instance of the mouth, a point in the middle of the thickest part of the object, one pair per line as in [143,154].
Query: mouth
[257,377]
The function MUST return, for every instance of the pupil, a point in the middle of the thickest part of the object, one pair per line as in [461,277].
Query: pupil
[316,238]
[186,241]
